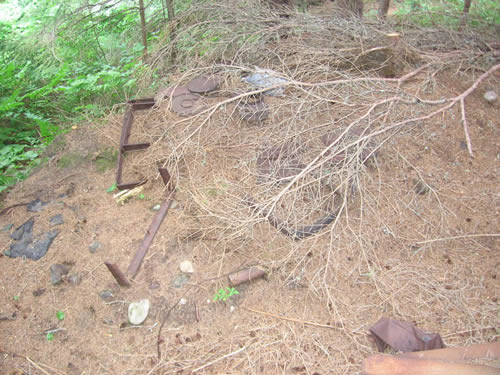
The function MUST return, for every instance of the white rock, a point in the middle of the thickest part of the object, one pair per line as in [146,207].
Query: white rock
[183,301]
[186,266]
[232,308]
[490,96]
[138,311]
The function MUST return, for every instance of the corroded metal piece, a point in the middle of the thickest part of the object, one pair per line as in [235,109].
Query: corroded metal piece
[203,85]
[186,104]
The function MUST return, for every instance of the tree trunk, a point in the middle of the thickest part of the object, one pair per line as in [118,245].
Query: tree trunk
[170,9]
[171,28]
[352,6]
[466,12]
[143,30]
[383,8]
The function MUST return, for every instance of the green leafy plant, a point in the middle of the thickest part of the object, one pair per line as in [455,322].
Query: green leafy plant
[16,298]
[50,336]
[224,294]
[111,188]
[60,315]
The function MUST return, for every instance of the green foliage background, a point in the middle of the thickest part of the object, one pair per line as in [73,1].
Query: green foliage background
[61,62]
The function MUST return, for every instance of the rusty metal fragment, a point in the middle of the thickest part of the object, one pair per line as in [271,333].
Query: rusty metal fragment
[244,275]
[186,104]
[403,336]
[117,274]
[171,92]
[253,111]
[135,264]
[203,84]
[165,176]
[128,119]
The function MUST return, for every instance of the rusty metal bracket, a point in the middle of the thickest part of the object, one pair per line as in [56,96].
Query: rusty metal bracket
[136,262]
[128,119]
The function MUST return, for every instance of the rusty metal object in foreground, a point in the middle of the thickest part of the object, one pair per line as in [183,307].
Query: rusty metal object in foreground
[247,274]
[203,84]
[117,274]
[128,119]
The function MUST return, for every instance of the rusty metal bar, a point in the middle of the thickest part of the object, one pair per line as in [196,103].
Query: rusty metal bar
[128,119]
[135,146]
[130,185]
[135,264]
[244,275]
[117,274]
[165,176]
[140,104]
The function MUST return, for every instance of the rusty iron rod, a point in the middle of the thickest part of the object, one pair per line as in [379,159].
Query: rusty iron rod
[135,264]
[244,275]
[117,274]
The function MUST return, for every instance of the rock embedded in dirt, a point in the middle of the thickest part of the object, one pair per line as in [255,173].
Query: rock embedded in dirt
[490,96]
[57,271]
[138,311]
[32,249]
[36,206]
[24,231]
[94,246]
[38,292]
[154,285]
[156,207]
[186,266]
[420,187]
[106,294]
[180,280]
[74,279]
[73,370]
[57,220]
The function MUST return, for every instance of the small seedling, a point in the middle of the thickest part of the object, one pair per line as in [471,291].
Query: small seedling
[111,188]
[50,336]
[16,298]
[224,294]
[141,196]
[60,315]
